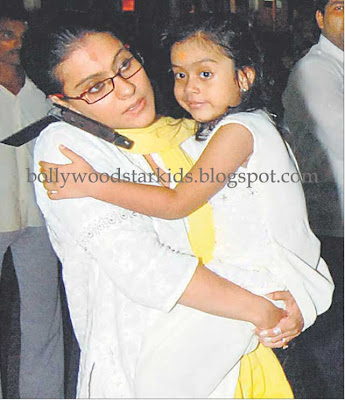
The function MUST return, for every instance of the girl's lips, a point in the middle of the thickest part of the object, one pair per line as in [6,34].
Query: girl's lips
[195,105]
[137,107]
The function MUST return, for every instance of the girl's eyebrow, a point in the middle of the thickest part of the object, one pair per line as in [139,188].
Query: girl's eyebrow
[98,74]
[198,62]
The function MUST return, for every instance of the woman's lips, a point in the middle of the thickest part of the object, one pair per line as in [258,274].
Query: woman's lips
[136,107]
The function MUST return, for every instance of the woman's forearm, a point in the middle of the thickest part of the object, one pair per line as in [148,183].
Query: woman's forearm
[215,295]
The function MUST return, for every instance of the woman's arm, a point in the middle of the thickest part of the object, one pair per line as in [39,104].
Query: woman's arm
[226,152]
[215,295]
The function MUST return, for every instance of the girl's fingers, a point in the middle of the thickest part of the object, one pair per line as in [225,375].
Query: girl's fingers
[51,186]
[46,166]
[70,154]
[53,195]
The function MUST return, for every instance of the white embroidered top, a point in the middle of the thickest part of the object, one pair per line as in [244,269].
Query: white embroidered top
[263,239]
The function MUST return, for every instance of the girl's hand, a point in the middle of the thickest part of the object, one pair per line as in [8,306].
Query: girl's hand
[64,181]
[288,328]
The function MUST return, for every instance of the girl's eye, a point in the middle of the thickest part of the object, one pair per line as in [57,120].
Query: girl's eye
[205,74]
[97,88]
[179,76]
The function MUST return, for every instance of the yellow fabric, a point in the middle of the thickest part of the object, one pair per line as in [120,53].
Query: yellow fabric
[164,138]
[261,375]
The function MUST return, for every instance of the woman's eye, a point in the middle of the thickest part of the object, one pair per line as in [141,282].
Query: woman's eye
[205,74]
[179,76]
[125,65]
[97,88]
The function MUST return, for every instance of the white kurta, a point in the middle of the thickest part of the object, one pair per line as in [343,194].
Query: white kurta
[122,271]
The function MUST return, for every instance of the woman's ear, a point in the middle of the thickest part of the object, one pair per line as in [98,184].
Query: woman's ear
[246,78]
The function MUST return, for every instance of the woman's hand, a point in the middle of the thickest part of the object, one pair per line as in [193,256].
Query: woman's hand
[65,181]
[267,315]
[289,326]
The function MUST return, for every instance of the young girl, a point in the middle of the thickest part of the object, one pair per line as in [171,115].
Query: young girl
[243,168]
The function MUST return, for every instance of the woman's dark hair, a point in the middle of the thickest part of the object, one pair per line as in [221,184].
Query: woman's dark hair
[233,36]
[49,43]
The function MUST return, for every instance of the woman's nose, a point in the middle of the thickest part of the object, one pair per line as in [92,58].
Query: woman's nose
[124,88]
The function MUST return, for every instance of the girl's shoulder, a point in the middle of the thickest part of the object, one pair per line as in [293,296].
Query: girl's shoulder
[258,122]
[251,118]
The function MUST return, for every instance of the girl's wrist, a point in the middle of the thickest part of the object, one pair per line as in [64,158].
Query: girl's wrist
[94,186]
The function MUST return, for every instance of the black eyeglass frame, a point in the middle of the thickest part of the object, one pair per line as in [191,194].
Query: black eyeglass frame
[137,56]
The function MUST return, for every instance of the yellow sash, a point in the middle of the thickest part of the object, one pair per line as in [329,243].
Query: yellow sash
[261,375]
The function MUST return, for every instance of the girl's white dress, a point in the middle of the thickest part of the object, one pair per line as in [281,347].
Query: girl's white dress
[263,238]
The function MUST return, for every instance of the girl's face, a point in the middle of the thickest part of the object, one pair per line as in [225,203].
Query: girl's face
[206,83]
[95,58]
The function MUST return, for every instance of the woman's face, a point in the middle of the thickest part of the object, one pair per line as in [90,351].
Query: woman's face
[95,58]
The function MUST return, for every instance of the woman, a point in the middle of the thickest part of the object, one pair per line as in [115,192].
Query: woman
[127,300]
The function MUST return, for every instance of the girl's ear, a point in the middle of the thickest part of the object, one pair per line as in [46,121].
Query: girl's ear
[246,78]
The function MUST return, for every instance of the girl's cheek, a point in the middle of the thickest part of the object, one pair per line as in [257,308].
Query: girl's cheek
[178,91]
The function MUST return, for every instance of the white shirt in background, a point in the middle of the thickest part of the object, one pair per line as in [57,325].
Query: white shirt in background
[314,104]
[18,205]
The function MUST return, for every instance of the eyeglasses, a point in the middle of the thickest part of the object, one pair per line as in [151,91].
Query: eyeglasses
[129,66]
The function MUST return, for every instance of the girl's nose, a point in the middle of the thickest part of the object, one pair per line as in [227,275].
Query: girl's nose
[124,88]
[192,86]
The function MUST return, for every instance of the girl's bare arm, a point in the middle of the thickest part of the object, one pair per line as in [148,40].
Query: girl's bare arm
[229,148]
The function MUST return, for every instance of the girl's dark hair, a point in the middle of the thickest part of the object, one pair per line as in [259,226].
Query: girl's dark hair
[49,43]
[235,39]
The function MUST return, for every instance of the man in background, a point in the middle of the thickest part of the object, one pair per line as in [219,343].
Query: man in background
[314,113]
[313,102]
[22,228]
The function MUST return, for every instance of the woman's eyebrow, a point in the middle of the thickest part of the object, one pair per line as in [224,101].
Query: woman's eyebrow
[98,74]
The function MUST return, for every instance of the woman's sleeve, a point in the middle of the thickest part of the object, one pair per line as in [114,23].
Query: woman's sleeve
[122,243]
